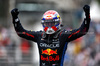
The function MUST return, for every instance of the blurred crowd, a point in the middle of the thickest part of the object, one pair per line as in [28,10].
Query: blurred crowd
[13,50]
[85,51]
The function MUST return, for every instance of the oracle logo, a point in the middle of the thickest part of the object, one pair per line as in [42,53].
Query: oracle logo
[49,45]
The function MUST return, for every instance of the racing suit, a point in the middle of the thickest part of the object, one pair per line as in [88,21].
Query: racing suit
[52,47]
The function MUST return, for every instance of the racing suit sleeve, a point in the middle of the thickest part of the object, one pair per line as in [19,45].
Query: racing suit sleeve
[74,34]
[29,35]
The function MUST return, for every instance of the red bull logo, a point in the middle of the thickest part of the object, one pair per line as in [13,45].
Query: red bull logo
[50,58]
[49,17]
[49,51]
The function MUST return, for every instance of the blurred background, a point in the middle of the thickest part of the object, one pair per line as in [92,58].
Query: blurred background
[15,51]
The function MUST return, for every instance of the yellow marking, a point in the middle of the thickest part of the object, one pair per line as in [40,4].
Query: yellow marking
[71,30]
[31,30]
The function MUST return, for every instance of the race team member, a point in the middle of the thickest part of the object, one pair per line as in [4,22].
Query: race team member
[53,41]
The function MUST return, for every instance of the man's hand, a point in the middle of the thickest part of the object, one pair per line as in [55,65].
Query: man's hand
[86,9]
[15,13]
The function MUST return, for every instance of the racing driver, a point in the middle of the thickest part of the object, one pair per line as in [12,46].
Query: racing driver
[53,40]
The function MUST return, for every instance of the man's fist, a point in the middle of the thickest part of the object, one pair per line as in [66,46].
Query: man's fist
[86,9]
[15,13]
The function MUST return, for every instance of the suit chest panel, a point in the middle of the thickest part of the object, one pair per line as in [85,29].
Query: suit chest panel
[49,43]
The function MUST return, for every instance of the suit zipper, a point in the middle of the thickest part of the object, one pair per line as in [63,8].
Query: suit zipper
[48,55]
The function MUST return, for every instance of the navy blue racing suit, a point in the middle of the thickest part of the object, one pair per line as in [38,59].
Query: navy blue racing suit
[52,47]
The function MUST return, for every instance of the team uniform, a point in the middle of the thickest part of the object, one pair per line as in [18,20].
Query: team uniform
[53,41]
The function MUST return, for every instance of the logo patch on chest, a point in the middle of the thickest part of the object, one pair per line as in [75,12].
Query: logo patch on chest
[49,51]
[49,45]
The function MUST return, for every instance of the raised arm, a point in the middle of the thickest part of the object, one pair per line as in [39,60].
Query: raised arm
[30,35]
[74,34]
